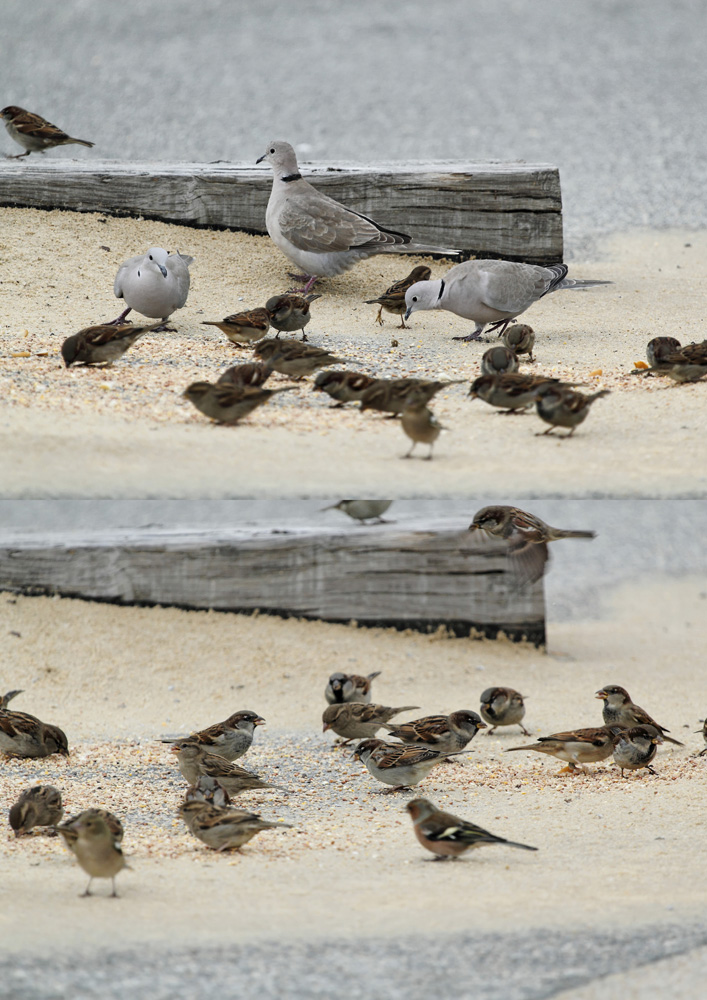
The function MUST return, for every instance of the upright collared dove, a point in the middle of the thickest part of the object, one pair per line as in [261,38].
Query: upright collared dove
[318,234]
[490,291]
[154,284]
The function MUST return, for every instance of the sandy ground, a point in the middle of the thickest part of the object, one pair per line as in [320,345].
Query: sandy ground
[126,431]
[118,678]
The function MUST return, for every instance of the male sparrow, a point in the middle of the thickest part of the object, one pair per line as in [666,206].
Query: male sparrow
[577,747]
[636,747]
[38,806]
[444,733]
[362,510]
[344,387]
[24,735]
[562,407]
[354,720]
[502,706]
[396,764]
[195,762]
[527,534]
[498,361]
[290,312]
[619,710]
[226,403]
[224,829]
[446,835]
[34,133]
[101,345]
[520,339]
[244,327]
[292,357]
[349,687]
[229,739]
[393,298]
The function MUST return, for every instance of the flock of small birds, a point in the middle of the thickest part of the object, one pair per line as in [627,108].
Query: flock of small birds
[404,759]
[324,238]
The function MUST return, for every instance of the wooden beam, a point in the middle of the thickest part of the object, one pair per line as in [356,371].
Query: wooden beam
[511,210]
[377,576]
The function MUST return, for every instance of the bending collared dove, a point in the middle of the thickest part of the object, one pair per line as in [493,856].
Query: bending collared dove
[318,234]
[154,285]
[490,291]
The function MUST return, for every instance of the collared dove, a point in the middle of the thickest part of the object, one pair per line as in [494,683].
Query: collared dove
[318,234]
[154,284]
[490,291]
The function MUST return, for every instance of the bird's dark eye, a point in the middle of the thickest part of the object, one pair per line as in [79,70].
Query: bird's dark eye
[150,256]
[272,150]
[414,298]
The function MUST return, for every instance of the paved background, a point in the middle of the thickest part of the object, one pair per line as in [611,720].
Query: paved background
[609,90]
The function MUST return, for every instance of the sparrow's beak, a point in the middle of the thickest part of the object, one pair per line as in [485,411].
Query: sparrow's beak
[332,506]
[481,725]
[174,749]
[259,722]
[261,158]
[601,694]
[325,727]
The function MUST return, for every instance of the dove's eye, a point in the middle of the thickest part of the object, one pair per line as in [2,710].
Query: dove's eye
[414,298]
[272,150]
[150,256]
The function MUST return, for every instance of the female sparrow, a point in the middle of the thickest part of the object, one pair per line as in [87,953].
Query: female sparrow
[354,720]
[38,806]
[224,829]
[502,706]
[393,298]
[578,747]
[24,735]
[349,687]
[34,133]
[96,851]
[290,312]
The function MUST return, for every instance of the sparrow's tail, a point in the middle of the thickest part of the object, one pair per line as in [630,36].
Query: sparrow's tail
[80,142]
[523,847]
[562,533]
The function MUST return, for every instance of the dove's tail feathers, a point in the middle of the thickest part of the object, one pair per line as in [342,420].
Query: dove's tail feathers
[579,283]
[422,248]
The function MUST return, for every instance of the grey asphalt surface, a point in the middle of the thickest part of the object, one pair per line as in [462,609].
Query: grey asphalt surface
[609,90]
[497,967]
[635,538]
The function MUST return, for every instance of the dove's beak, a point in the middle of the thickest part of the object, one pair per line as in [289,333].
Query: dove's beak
[407,314]
[260,158]
[163,269]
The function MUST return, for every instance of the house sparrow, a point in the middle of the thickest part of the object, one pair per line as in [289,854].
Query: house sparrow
[562,407]
[619,710]
[344,387]
[224,829]
[95,849]
[704,737]
[498,361]
[682,370]
[490,291]
[520,339]
[226,403]
[420,425]
[155,284]
[252,375]
[243,327]
[6,698]
[317,233]
[69,832]
[38,806]
[393,298]
[355,721]
[396,764]
[394,395]
[349,687]
[635,748]
[528,537]
[292,357]
[290,312]
[577,747]
[362,510]
[657,349]
[34,133]
[208,790]
[509,392]
[444,733]
[194,762]
[446,835]
[24,735]
[101,345]
[230,739]
[502,706]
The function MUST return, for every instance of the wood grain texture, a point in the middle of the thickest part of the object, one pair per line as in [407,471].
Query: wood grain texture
[511,210]
[404,579]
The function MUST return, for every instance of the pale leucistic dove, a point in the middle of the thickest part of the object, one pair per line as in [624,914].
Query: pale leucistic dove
[320,235]
[490,291]
[155,284]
